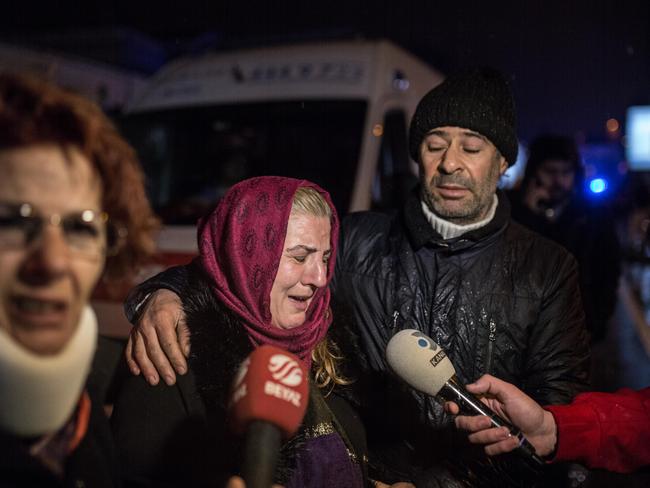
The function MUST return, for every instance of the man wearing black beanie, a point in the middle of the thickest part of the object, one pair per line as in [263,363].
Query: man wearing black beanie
[463,136]
[496,297]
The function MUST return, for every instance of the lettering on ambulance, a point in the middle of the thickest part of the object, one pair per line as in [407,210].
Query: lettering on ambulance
[300,72]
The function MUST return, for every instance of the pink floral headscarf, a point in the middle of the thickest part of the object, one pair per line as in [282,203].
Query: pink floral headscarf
[240,245]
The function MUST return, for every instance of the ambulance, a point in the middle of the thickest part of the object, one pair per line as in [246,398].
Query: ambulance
[107,85]
[336,113]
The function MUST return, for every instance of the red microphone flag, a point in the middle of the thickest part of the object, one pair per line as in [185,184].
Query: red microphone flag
[271,385]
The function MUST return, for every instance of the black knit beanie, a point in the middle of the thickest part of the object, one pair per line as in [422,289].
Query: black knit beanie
[479,100]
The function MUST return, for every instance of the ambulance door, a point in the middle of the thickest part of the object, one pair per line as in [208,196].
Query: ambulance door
[395,176]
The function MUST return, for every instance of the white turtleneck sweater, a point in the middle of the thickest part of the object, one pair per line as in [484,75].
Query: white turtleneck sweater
[449,230]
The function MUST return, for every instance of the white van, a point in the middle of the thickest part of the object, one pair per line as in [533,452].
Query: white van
[109,86]
[336,113]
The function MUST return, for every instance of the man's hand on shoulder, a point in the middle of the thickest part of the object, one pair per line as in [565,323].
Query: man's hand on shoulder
[160,342]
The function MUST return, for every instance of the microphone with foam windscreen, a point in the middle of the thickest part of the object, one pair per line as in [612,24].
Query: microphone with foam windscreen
[268,402]
[421,363]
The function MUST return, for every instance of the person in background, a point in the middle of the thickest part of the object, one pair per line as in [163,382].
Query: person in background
[72,208]
[495,296]
[600,430]
[551,201]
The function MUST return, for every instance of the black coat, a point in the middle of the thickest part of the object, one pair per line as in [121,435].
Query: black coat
[499,300]
[180,435]
[587,232]
[91,465]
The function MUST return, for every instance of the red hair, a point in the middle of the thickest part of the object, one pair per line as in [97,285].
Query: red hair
[36,112]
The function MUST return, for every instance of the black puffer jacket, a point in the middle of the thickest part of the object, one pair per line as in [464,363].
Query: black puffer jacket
[587,231]
[172,436]
[499,300]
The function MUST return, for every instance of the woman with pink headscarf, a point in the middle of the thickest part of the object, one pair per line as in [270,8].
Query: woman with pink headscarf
[266,257]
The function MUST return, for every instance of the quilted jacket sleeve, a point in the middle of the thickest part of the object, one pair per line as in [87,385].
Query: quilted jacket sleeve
[557,360]
[175,279]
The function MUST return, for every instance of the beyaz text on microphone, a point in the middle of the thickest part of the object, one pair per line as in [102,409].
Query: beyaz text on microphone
[421,363]
[268,402]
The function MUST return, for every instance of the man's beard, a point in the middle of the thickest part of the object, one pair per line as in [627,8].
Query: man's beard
[466,213]
[474,207]
[469,211]
[559,195]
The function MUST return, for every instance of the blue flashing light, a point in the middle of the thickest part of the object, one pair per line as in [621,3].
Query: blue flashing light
[598,185]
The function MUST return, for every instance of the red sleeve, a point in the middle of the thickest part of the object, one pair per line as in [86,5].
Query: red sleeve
[605,430]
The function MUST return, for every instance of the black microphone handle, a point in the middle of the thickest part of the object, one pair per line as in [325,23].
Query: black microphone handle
[469,404]
[261,451]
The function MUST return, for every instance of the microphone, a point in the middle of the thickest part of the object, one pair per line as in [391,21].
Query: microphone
[549,208]
[269,398]
[422,364]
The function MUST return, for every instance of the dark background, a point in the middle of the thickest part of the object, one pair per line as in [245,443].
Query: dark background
[573,63]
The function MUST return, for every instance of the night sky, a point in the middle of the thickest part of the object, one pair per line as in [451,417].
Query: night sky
[573,63]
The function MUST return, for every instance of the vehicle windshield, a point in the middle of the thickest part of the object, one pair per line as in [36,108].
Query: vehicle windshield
[191,156]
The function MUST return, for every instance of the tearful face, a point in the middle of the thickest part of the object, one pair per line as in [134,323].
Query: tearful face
[302,270]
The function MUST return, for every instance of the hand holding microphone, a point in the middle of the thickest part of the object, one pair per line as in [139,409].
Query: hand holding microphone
[537,424]
[268,402]
[421,363]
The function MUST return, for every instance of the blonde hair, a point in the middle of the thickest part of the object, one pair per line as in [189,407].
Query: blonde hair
[326,358]
[309,201]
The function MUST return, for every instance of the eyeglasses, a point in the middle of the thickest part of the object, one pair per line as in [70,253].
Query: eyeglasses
[88,233]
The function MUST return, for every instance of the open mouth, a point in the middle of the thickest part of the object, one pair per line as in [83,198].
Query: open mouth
[301,302]
[38,312]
